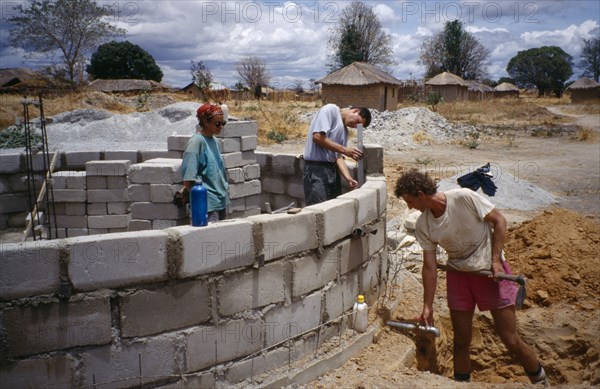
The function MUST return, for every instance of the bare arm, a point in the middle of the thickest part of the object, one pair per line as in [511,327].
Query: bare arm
[321,139]
[498,239]
[343,168]
[429,274]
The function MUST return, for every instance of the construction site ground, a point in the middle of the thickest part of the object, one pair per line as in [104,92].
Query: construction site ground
[556,248]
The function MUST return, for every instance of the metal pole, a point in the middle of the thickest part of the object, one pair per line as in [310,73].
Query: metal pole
[360,167]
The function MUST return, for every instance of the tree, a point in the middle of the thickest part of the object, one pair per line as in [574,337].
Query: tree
[456,51]
[546,68]
[590,58]
[123,60]
[359,36]
[71,27]
[253,72]
[201,75]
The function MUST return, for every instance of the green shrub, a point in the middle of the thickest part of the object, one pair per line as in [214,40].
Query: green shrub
[14,137]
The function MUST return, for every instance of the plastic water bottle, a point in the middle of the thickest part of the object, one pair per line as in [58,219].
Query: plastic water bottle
[360,314]
[199,204]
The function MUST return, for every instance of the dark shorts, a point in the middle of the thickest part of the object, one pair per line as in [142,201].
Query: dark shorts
[215,216]
[465,290]
[321,182]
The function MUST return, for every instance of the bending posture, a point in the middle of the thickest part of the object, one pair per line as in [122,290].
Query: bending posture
[473,233]
[203,158]
[325,147]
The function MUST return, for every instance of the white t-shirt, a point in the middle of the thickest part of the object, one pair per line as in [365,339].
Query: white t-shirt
[460,230]
[328,120]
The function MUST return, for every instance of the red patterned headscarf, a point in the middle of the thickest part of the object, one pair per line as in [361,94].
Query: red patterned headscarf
[208,111]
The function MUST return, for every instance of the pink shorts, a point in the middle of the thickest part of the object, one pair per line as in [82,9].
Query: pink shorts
[465,290]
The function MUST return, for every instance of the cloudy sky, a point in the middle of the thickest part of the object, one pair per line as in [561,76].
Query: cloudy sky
[292,36]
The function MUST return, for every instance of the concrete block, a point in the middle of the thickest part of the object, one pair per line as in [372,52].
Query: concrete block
[10,162]
[117,208]
[73,232]
[64,221]
[273,185]
[230,145]
[160,224]
[117,260]
[252,171]
[280,201]
[369,275]
[75,209]
[295,189]
[286,165]
[139,193]
[240,158]
[241,291]
[339,217]
[97,209]
[151,311]
[239,128]
[71,179]
[262,363]
[76,160]
[57,326]
[367,204]
[252,212]
[107,195]
[249,142]
[156,171]
[59,208]
[163,193]
[253,201]
[128,155]
[96,182]
[153,211]
[353,254]
[116,182]
[159,154]
[263,159]
[373,159]
[235,175]
[283,322]
[245,189]
[117,168]
[237,205]
[177,142]
[69,195]
[98,231]
[108,221]
[216,247]
[376,240]
[285,234]
[120,366]
[310,273]
[59,179]
[341,297]
[205,379]
[381,187]
[48,372]
[208,345]
[139,225]
[40,164]
[29,269]
[10,203]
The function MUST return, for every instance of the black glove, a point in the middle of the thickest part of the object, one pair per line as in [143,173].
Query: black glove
[181,197]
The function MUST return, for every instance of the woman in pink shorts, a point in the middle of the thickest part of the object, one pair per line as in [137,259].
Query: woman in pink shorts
[472,232]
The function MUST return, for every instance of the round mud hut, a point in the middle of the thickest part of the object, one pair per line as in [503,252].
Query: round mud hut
[450,86]
[506,89]
[584,90]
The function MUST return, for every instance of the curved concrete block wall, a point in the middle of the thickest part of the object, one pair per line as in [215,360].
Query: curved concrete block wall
[198,307]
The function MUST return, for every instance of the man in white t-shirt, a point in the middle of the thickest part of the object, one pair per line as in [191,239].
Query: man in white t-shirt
[473,232]
[325,147]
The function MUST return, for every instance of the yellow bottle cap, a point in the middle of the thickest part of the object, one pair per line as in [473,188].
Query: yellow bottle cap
[361,298]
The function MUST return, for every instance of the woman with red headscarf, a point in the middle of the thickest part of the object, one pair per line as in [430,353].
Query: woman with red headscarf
[202,157]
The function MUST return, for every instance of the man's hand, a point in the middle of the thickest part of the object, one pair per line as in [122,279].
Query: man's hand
[496,268]
[352,183]
[181,197]
[353,153]
[426,317]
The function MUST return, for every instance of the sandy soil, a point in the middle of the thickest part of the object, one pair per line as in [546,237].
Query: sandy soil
[557,249]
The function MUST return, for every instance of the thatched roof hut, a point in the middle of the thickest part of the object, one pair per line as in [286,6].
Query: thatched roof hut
[478,91]
[449,86]
[361,84]
[584,89]
[506,89]
[16,78]
[127,86]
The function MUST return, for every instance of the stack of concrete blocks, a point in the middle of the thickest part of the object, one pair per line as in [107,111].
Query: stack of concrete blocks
[153,184]
[107,196]
[237,141]
[239,302]
[68,188]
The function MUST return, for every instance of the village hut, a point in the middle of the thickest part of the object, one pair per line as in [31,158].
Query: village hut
[584,89]
[506,89]
[362,85]
[478,91]
[450,86]
[15,79]
[127,86]
[217,91]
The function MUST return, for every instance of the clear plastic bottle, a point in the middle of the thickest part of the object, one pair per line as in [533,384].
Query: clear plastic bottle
[199,204]
[360,314]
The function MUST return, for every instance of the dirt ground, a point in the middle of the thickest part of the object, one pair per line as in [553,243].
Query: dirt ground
[556,249]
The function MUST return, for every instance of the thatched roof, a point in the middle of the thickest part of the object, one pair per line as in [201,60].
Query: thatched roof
[506,87]
[475,86]
[126,85]
[584,83]
[359,73]
[446,79]
[13,76]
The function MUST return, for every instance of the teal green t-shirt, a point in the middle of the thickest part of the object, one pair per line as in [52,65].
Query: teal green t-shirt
[202,157]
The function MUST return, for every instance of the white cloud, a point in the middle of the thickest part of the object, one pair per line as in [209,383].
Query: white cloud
[475,29]
[564,38]
[384,13]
